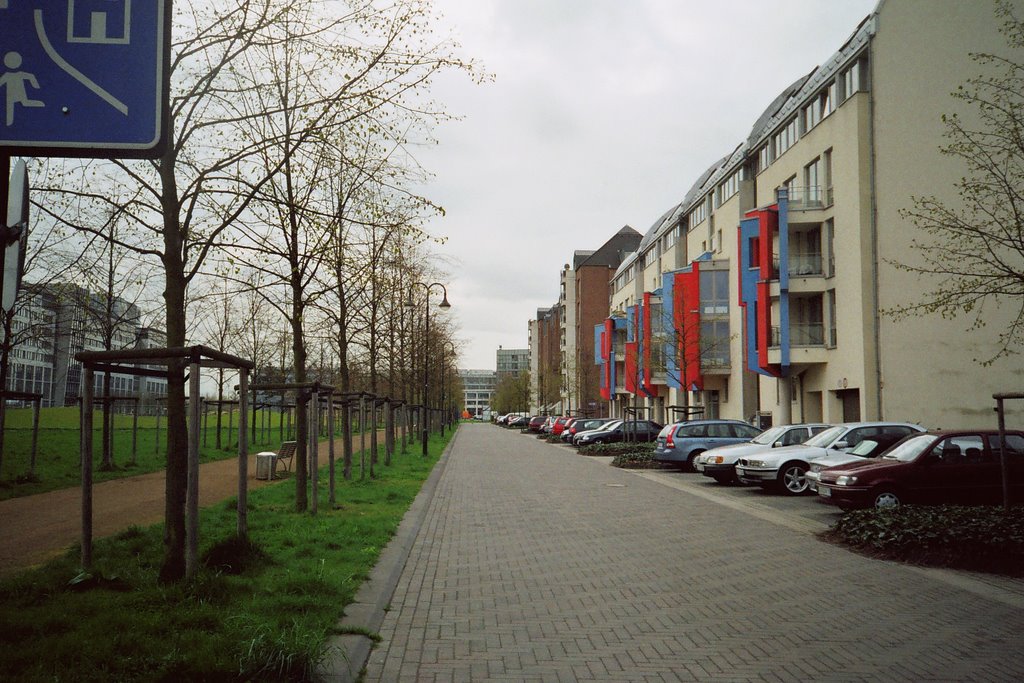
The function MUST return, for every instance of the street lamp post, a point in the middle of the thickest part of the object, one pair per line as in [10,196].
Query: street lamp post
[446,411]
[410,304]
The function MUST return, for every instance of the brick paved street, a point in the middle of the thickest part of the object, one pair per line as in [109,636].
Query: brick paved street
[537,564]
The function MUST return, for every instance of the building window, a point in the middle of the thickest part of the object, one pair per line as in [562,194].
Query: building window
[764,158]
[785,138]
[812,183]
[699,213]
[729,187]
[826,179]
[832,336]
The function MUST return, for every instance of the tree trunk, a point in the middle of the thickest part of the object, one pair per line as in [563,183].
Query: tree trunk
[173,568]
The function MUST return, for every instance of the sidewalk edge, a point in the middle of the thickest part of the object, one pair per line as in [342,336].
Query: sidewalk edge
[348,653]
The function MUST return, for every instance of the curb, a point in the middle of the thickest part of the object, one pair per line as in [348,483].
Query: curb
[347,654]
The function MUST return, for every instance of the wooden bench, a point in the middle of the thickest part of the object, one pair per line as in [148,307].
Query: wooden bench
[285,452]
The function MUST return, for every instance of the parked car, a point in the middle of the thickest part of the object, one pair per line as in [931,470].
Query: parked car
[872,447]
[581,425]
[785,468]
[680,442]
[719,463]
[559,424]
[518,422]
[618,431]
[961,467]
[537,422]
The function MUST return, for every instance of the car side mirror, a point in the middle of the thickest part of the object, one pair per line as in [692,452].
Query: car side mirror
[840,445]
[777,444]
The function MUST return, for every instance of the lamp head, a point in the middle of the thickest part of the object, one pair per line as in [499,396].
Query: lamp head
[444,303]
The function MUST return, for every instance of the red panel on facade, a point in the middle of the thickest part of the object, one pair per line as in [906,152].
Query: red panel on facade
[606,355]
[631,353]
[768,222]
[687,319]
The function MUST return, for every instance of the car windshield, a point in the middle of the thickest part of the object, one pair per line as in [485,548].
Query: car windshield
[611,425]
[864,448]
[826,437]
[909,449]
[770,436]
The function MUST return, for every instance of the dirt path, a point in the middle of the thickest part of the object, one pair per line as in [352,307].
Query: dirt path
[36,528]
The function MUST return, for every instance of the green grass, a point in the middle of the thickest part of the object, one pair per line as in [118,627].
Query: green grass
[57,459]
[260,610]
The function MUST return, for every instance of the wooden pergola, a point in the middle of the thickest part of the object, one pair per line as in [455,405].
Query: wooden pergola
[132,362]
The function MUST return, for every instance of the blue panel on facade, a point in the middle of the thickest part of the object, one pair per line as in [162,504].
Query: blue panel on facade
[749,230]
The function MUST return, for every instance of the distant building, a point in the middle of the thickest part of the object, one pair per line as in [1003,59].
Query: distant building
[54,324]
[478,387]
[512,361]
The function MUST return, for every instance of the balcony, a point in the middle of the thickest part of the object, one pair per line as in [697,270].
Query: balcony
[809,198]
[805,264]
[800,334]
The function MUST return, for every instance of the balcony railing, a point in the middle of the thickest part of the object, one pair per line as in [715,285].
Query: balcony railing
[805,264]
[800,334]
[809,198]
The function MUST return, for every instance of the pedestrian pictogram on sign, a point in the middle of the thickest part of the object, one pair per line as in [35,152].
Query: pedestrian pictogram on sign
[83,77]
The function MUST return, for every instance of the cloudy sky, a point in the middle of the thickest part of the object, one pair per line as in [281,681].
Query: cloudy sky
[602,113]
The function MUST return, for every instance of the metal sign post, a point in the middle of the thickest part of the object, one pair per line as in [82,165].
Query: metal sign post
[13,235]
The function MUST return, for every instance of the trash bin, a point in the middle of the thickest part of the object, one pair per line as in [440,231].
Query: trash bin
[266,463]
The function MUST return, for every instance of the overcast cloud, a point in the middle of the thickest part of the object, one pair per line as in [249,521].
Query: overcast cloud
[602,114]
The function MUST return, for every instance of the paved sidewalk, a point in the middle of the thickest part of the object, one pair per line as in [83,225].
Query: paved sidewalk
[536,564]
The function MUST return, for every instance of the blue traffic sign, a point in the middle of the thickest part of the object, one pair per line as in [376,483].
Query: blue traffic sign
[83,77]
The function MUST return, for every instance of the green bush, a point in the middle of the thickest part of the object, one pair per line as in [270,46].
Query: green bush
[963,537]
[636,460]
[617,448]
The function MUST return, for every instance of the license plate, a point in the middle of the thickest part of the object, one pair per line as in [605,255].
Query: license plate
[824,491]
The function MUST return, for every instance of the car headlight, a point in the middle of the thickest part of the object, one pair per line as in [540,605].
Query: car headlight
[817,468]
[757,463]
[846,480]
[718,460]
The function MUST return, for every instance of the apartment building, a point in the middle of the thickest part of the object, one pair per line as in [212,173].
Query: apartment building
[765,290]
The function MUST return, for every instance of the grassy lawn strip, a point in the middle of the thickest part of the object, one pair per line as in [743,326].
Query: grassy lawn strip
[57,459]
[978,538]
[258,610]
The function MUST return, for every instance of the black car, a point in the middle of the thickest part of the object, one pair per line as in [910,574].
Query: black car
[619,430]
[521,422]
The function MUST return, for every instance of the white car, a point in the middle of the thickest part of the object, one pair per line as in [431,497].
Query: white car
[720,463]
[786,468]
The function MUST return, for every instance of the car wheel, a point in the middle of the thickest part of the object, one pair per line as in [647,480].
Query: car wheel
[598,440]
[886,498]
[689,461]
[792,478]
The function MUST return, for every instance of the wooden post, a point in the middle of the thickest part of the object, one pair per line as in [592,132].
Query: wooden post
[362,436]
[135,430]
[389,431]
[373,436]
[1003,466]
[36,409]
[330,449]
[346,441]
[242,522]
[192,490]
[314,461]
[86,448]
